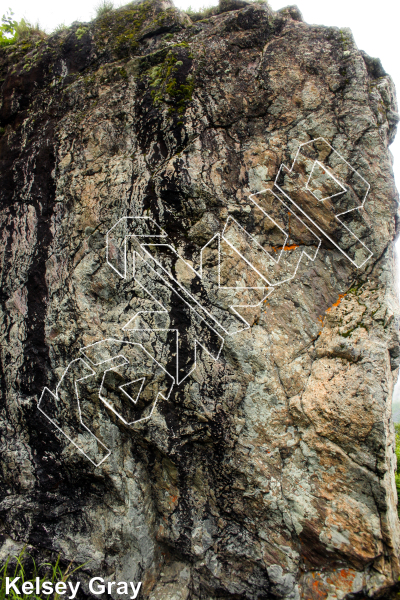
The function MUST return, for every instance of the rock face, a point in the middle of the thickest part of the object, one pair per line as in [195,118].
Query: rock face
[198,317]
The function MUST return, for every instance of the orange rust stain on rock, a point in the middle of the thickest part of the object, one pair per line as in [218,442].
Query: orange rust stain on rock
[341,296]
[285,248]
[318,593]
[160,532]
[345,574]
[318,584]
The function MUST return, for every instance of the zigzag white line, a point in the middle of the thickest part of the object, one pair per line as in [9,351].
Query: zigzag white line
[194,305]
[76,381]
[336,216]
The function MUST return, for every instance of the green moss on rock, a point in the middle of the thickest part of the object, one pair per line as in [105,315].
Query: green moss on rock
[168,82]
[122,29]
[80,32]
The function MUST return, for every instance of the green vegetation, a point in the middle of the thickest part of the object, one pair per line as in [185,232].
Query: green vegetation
[209,11]
[397,450]
[202,13]
[60,27]
[80,32]
[121,28]
[45,571]
[12,31]
[355,289]
[164,84]
[345,39]
[104,7]
[7,29]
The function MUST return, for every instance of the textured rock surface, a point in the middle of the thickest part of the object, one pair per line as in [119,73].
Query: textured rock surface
[268,473]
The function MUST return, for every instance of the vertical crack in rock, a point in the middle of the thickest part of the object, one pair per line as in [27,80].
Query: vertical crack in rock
[36,351]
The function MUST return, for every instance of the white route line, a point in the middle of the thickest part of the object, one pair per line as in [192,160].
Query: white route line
[104,400]
[123,275]
[197,342]
[121,387]
[194,310]
[56,397]
[84,352]
[303,253]
[339,214]
[330,175]
[200,311]
[217,237]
